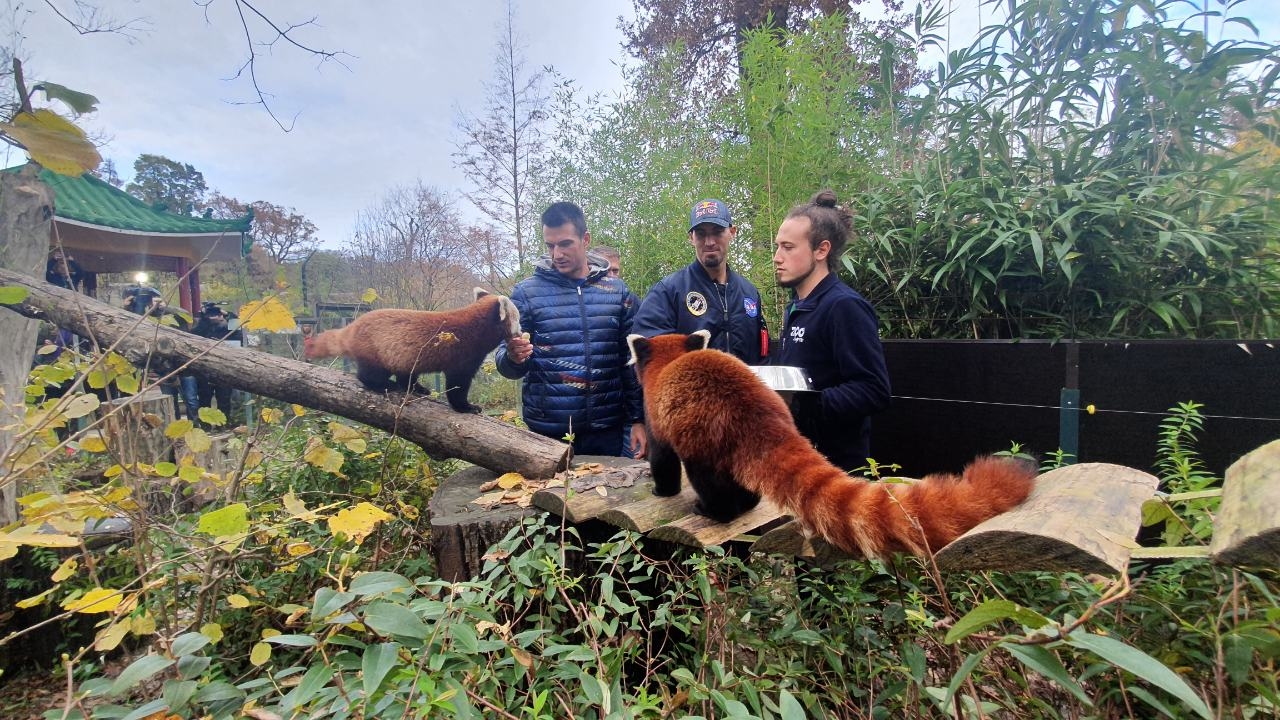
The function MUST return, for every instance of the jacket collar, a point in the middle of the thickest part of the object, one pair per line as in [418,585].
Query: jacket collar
[811,300]
[597,269]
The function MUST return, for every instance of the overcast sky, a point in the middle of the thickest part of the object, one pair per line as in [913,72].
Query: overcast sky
[385,119]
[383,116]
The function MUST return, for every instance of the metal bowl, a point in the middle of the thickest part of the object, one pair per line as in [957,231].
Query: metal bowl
[784,378]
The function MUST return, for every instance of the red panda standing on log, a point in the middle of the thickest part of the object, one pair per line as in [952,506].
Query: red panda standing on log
[406,343]
[737,441]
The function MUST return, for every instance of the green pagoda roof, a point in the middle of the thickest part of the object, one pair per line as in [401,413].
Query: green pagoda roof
[88,201]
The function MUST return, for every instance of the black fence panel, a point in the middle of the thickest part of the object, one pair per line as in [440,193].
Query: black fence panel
[954,399]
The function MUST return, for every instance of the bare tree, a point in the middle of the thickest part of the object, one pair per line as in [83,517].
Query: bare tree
[492,256]
[500,149]
[410,247]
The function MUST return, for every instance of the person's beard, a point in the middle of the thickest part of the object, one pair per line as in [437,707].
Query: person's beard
[797,280]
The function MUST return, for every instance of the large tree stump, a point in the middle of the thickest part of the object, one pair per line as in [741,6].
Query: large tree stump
[26,218]
[437,428]
[134,427]
[1246,532]
[462,530]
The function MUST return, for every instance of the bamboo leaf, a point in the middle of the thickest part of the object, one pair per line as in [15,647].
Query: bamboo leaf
[1129,658]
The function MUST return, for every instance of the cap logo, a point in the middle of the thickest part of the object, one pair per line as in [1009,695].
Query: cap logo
[706,208]
[696,303]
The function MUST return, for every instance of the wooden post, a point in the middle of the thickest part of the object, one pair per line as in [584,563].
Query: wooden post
[26,219]
[1246,532]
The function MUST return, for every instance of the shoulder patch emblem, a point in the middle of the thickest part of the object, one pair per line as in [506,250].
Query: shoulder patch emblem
[696,303]
[751,306]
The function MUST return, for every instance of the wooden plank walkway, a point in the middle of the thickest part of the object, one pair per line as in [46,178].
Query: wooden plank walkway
[1082,518]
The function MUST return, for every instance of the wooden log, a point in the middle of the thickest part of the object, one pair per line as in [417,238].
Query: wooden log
[1078,518]
[1246,532]
[651,511]
[462,531]
[26,219]
[699,531]
[432,424]
[789,539]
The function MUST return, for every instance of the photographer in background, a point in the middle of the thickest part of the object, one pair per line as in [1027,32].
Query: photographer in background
[213,323]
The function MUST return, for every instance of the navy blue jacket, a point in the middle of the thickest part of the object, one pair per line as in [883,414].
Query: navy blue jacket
[833,334]
[578,372]
[689,300]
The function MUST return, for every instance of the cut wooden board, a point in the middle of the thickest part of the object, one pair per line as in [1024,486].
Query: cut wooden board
[1246,531]
[1078,518]
[699,531]
[789,539]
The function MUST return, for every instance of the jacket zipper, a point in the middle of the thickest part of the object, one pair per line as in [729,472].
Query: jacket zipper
[586,354]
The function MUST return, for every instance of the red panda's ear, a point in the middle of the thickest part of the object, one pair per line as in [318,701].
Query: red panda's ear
[479,292]
[639,345]
[699,340]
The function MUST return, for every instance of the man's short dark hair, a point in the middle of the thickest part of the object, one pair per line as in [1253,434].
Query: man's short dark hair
[565,212]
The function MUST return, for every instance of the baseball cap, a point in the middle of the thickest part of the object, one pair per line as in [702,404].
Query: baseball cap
[710,211]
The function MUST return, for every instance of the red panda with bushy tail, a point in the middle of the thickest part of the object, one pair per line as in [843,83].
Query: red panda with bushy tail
[406,343]
[738,442]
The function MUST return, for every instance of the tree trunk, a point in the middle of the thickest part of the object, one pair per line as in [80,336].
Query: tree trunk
[440,431]
[26,213]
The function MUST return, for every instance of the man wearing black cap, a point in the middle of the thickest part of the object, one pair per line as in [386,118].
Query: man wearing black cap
[213,324]
[708,295]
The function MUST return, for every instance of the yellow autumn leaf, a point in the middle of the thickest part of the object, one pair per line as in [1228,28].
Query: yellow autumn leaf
[54,142]
[369,296]
[268,314]
[110,637]
[343,433]
[238,601]
[297,508]
[408,512]
[128,384]
[30,535]
[213,631]
[260,654]
[298,410]
[178,428]
[269,633]
[97,600]
[112,471]
[298,549]
[93,444]
[66,569]
[197,440]
[323,456]
[81,405]
[212,416]
[34,600]
[143,625]
[271,416]
[510,480]
[356,523]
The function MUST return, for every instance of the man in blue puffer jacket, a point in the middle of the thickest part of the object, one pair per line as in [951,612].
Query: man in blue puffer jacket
[574,358]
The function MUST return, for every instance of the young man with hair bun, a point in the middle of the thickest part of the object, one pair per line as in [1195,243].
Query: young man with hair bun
[829,330]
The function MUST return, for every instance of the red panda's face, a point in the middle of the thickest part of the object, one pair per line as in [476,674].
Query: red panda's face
[650,355]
